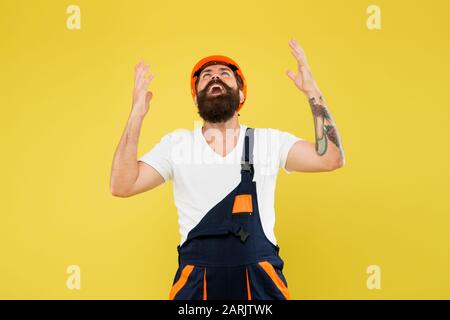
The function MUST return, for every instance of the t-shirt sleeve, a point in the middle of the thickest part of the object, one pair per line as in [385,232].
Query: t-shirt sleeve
[159,157]
[286,141]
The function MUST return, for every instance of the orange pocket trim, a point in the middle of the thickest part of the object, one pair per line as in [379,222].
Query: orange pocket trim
[181,281]
[269,269]
[205,295]
[243,204]
[249,294]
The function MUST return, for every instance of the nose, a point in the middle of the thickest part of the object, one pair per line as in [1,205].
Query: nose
[215,76]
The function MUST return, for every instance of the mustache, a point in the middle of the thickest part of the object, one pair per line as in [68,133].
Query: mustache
[214,82]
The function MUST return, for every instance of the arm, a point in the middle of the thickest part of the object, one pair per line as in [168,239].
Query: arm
[326,153]
[128,176]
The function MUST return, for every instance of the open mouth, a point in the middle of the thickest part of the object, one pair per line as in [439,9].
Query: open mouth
[216,89]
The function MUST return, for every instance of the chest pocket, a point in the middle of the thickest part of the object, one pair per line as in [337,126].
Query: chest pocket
[243,204]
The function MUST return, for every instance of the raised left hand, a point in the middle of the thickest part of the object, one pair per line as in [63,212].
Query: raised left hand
[303,79]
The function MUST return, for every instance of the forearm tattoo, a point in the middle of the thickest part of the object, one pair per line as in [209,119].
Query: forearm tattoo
[324,126]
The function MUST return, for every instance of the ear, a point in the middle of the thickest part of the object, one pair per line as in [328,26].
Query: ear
[241,96]
[195,100]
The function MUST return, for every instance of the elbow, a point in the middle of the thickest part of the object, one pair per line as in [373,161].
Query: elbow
[336,164]
[340,164]
[119,195]
[116,192]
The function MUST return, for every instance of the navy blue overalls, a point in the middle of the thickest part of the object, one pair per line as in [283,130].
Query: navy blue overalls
[227,255]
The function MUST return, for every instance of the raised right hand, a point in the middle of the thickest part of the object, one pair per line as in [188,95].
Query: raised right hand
[141,97]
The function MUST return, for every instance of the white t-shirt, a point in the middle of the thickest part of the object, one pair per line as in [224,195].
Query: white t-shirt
[202,178]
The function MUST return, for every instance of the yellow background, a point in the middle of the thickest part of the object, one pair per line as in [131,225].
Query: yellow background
[66,95]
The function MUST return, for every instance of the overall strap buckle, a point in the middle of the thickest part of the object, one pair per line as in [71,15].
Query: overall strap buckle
[240,232]
[243,234]
[246,166]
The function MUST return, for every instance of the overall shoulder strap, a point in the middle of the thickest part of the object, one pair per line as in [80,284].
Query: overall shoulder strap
[247,152]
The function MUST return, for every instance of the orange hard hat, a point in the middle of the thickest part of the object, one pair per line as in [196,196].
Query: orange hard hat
[218,59]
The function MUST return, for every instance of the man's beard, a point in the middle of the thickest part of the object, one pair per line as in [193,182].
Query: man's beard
[217,108]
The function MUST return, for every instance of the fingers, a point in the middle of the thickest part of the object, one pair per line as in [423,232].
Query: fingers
[138,64]
[301,64]
[298,53]
[140,70]
[137,70]
[296,46]
[149,78]
[291,74]
[138,67]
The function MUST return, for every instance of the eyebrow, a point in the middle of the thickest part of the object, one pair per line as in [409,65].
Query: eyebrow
[222,69]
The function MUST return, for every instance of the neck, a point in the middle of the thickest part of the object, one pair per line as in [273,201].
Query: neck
[226,130]
[232,123]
